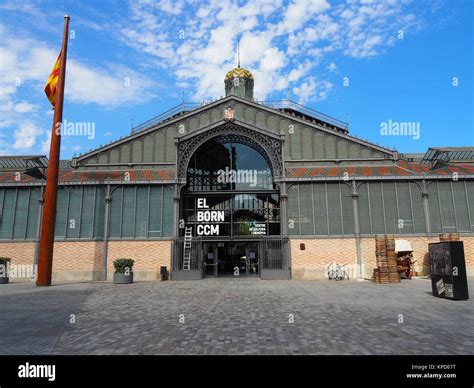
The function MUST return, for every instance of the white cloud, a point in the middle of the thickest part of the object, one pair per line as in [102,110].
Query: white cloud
[332,67]
[28,62]
[199,46]
[25,107]
[25,135]
[312,90]
[46,144]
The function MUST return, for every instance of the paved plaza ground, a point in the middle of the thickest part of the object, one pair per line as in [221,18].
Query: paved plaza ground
[234,316]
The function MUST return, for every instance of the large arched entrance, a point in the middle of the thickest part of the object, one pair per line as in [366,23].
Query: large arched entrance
[229,207]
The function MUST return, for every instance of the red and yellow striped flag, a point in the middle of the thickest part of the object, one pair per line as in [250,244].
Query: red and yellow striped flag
[51,87]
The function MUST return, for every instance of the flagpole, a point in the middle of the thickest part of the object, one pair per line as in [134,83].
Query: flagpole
[45,260]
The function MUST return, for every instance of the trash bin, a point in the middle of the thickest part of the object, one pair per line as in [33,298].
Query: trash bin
[164,273]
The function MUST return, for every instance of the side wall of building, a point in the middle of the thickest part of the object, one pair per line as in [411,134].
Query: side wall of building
[310,263]
[82,260]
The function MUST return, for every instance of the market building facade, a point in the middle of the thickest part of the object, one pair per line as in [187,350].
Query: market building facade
[237,187]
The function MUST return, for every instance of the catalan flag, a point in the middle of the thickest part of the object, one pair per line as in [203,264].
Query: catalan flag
[51,87]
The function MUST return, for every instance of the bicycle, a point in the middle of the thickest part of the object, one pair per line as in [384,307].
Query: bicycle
[337,272]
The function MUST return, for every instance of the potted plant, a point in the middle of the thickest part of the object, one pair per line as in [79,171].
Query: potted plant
[123,271]
[4,264]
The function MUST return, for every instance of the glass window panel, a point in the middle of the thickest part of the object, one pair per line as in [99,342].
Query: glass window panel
[141,221]
[334,208]
[223,165]
[293,224]
[115,212]
[21,214]
[306,210]
[33,214]
[128,224]
[404,206]
[61,213]
[435,216]
[460,202]
[390,204]
[320,210]
[347,211]
[87,212]
[418,212]
[376,207]
[470,197]
[447,209]
[6,221]
[74,216]
[155,211]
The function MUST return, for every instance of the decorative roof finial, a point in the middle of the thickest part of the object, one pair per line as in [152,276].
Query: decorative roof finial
[238,53]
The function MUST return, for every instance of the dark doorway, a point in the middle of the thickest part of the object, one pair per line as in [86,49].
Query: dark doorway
[231,259]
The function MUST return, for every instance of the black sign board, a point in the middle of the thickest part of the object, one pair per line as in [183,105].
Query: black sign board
[448,270]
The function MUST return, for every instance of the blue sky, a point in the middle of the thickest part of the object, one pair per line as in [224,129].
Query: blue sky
[368,61]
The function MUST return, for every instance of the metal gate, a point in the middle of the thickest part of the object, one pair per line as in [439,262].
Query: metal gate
[177,258]
[274,253]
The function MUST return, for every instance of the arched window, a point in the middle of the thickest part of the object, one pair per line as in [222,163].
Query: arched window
[226,164]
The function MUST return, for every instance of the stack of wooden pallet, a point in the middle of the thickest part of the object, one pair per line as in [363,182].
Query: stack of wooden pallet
[386,271]
[448,237]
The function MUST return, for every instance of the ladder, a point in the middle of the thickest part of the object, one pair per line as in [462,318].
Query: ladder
[188,235]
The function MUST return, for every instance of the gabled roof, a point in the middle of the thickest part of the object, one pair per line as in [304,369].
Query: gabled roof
[319,124]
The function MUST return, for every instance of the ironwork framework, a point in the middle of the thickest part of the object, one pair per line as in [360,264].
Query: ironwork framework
[270,147]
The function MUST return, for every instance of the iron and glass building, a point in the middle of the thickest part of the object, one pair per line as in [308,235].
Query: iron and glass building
[237,187]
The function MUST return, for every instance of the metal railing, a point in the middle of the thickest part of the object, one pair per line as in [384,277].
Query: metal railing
[180,109]
[186,107]
[274,253]
[289,104]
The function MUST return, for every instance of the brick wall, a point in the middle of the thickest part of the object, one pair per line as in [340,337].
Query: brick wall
[82,260]
[149,256]
[311,262]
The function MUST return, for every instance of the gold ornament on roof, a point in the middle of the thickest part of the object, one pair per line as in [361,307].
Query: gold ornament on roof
[238,72]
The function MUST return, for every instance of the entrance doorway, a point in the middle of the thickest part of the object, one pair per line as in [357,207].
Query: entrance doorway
[231,259]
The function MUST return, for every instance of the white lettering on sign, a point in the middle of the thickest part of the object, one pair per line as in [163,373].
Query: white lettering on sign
[207,230]
[210,216]
[201,203]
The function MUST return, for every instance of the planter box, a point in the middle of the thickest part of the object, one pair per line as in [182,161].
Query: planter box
[4,280]
[121,278]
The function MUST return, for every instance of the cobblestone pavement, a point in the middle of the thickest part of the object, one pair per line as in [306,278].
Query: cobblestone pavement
[235,316]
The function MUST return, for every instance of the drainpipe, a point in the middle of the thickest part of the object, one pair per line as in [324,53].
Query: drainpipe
[426,209]
[38,229]
[105,246]
[355,210]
